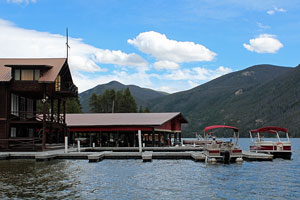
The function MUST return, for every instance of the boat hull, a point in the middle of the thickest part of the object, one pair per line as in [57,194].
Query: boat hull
[278,149]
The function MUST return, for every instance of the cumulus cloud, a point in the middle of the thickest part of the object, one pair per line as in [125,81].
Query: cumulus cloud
[165,64]
[18,42]
[273,11]
[164,49]
[264,43]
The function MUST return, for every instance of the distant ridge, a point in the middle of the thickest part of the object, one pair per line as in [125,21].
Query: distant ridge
[260,95]
[141,95]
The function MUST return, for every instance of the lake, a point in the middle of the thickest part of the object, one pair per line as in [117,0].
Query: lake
[159,179]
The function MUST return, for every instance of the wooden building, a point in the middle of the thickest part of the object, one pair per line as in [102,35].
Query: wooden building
[121,129]
[33,93]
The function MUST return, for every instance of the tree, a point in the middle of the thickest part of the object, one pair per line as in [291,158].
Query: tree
[111,101]
[93,103]
[141,109]
[127,103]
[147,110]
[73,105]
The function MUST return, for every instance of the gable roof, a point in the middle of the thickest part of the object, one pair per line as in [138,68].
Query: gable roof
[121,119]
[54,64]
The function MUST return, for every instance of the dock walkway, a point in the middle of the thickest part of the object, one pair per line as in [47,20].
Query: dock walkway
[147,155]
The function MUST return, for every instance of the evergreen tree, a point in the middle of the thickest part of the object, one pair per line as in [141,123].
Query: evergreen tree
[73,105]
[93,103]
[141,109]
[147,110]
[111,101]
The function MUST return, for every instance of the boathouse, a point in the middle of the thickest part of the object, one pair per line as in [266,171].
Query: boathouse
[33,95]
[121,129]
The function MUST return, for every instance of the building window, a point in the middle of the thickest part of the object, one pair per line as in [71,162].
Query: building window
[57,83]
[13,132]
[17,74]
[14,104]
[37,74]
[27,74]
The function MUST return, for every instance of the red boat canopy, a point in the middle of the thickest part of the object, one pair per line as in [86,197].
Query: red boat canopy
[220,126]
[269,129]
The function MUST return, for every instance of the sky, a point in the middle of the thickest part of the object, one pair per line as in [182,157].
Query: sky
[165,45]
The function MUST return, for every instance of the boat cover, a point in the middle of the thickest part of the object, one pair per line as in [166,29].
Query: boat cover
[220,126]
[269,129]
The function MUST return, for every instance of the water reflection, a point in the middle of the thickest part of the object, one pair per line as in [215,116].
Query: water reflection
[159,179]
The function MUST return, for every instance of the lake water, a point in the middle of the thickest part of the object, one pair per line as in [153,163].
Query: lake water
[159,179]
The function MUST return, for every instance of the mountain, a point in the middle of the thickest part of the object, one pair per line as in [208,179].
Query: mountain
[141,95]
[261,95]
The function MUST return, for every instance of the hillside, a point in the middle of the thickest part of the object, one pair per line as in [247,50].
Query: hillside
[141,95]
[257,96]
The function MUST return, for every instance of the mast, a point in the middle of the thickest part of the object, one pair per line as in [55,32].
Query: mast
[67,43]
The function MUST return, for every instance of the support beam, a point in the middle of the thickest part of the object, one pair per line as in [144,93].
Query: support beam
[64,111]
[140,140]
[153,137]
[44,121]
[52,109]
[134,140]
[58,110]
[66,144]
[159,139]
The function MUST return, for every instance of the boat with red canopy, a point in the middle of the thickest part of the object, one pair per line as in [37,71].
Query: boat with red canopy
[225,151]
[279,148]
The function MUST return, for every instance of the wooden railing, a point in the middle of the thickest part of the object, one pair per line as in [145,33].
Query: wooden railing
[27,116]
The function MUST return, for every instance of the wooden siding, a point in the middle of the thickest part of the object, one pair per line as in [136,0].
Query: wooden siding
[3,103]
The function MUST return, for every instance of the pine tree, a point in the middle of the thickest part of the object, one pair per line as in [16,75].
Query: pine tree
[73,105]
[111,101]
[93,103]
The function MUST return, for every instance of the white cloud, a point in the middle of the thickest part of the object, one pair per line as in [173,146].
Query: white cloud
[140,78]
[164,64]
[264,43]
[273,11]
[164,49]
[21,1]
[22,43]
[197,74]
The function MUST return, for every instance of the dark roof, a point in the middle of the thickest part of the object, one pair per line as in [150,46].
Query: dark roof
[54,65]
[121,119]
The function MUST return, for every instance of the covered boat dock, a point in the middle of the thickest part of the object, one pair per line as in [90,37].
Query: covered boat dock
[121,129]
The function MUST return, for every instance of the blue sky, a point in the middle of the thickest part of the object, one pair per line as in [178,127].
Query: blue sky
[167,45]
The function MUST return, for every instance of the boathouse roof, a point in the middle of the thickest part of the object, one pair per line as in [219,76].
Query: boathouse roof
[54,65]
[122,119]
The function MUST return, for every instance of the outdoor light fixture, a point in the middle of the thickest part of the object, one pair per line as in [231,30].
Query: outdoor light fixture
[45,99]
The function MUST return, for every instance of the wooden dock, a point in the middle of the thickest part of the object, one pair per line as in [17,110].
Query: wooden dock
[145,156]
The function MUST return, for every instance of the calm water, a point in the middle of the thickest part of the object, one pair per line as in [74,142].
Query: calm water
[160,179]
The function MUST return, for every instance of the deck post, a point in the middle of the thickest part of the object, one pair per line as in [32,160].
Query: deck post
[66,144]
[153,137]
[159,141]
[44,121]
[180,137]
[78,145]
[140,140]
[134,139]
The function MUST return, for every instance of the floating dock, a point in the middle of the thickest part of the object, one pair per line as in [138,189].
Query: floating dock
[147,155]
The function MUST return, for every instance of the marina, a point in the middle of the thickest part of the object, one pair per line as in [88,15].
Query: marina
[166,178]
[131,153]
